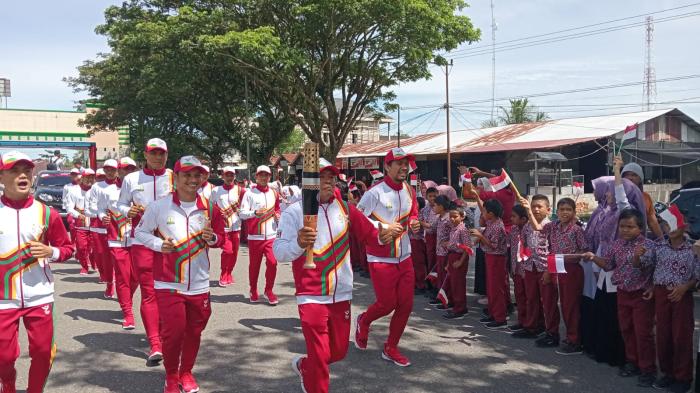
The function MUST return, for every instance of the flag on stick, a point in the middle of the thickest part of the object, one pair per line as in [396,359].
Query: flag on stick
[376,175]
[577,189]
[442,295]
[673,217]
[499,182]
[555,263]
[466,249]
[629,134]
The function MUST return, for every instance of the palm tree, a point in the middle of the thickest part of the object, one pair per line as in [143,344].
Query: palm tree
[521,111]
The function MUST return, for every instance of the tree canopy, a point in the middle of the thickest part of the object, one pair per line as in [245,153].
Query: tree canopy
[180,69]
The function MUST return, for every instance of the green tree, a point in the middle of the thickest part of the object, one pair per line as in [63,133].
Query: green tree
[305,54]
[293,143]
[521,111]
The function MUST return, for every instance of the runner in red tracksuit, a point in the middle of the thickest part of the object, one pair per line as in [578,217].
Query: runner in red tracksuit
[33,235]
[323,293]
[118,230]
[139,190]
[188,225]
[391,202]
[228,197]
[76,207]
[260,208]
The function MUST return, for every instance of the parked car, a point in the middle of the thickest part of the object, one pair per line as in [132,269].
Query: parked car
[687,198]
[48,188]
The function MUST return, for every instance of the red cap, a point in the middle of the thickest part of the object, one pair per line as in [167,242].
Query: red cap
[324,165]
[11,158]
[156,144]
[397,153]
[188,163]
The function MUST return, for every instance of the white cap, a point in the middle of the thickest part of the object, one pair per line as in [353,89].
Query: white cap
[75,171]
[11,158]
[188,163]
[155,144]
[126,161]
[88,172]
[100,172]
[263,168]
[110,164]
[229,169]
[206,168]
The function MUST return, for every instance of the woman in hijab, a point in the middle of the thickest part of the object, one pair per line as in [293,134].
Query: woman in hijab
[600,329]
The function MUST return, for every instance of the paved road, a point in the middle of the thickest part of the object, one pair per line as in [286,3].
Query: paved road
[247,348]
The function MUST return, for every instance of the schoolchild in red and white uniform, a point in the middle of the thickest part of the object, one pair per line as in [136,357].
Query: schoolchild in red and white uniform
[98,231]
[32,236]
[206,188]
[187,225]
[260,208]
[323,293]
[228,197]
[139,190]
[73,186]
[391,202]
[118,230]
[76,207]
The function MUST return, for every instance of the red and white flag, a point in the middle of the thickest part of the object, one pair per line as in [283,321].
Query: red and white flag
[412,166]
[499,182]
[442,297]
[376,175]
[524,253]
[673,217]
[432,278]
[466,249]
[352,188]
[630,133]
[465,178]
[577,188]
[555,263]
[414,180]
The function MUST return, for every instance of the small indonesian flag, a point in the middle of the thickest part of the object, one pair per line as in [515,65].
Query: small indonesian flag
[442,297]
[353,188]
[465,178]
[555,263]
[577,188]
[499,182]
[673,217]
[466,249]
[524,253]
[630,133]
[412,166]
[376,175]
[414,180]
[432,278]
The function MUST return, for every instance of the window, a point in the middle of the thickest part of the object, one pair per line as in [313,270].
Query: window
[354,139]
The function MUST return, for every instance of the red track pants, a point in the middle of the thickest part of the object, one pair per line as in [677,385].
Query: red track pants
[125,278]
[674,334]
[229,252]
[520,298]
[497,286]
[636,318]
[419,262]
[182,320]
[38,322]
[393,289]
[458,282]
[102,258]
[542,303]
[326,329]
[257,249]
[82,246]
[142,263]
[570,292]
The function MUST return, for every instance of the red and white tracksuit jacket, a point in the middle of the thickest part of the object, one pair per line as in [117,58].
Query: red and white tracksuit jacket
[206,190]
[386,203]
[323,293]
[77,206]
[142,188]
[187,269]
[26,287]
[98,234]
[228,198]
[262,227]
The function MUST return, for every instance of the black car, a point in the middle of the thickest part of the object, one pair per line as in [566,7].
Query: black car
[48,188]
[688,201]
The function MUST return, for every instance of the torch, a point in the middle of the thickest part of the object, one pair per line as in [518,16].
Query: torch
[310,186]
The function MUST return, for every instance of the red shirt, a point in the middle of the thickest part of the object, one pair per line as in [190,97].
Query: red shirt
[507,199]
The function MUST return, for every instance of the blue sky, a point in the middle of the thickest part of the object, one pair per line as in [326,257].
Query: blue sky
[43,41]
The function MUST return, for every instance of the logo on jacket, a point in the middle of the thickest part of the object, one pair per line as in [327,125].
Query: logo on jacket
[206,303]
[47,309]
[388,205]
[138,188]
[347,314]
[170,221]
[279,234]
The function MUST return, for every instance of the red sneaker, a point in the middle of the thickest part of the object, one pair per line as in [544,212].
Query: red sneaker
[109,292]
[83,272]
[393,355]
[223,282]
[154,358]
[172,384]
[271,298]
[230,279]
[128,323]
[254,298]
[188,383]
[296,366]
[361,334]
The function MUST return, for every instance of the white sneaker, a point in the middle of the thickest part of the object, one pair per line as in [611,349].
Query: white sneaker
[295,367]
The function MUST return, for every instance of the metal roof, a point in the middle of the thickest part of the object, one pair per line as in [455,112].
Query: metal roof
[545,156]
[526,136]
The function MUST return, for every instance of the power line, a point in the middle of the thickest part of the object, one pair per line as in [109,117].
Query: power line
[579,28]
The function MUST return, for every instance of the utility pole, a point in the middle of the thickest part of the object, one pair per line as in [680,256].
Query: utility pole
[649,90]
[447,116]
[493,60]
[398,127]
[247,129]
